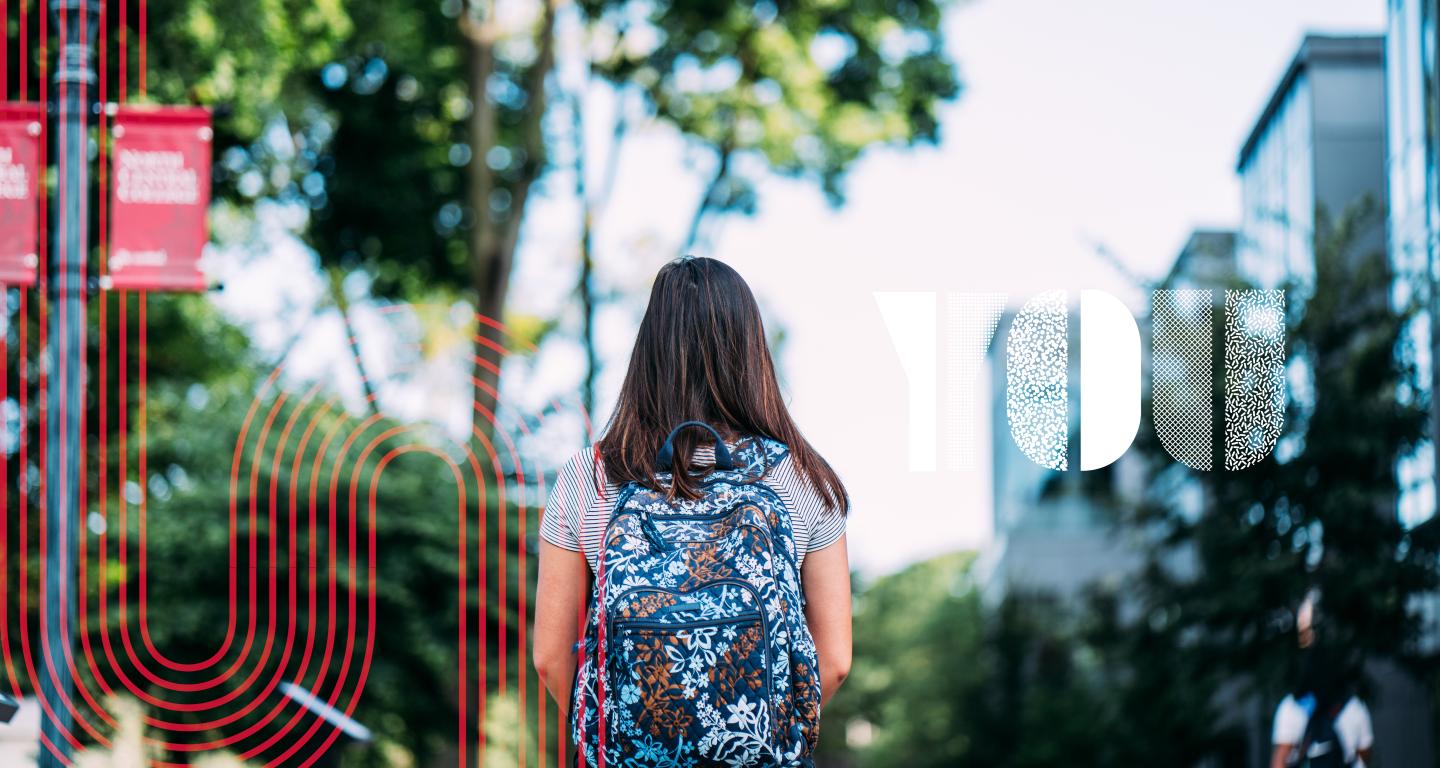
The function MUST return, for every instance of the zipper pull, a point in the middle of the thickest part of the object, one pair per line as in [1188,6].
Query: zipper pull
[657,542]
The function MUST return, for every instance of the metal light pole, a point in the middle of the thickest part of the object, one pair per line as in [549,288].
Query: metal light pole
[65,401]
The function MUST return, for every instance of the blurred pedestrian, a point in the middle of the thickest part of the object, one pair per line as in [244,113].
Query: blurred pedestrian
[1321,723]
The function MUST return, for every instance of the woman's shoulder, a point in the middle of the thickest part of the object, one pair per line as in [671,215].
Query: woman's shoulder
[583,464]
[1355,707]
[581,459]
[583,475]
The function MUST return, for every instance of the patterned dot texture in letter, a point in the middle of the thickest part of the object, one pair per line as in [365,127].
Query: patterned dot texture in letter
[1037,358]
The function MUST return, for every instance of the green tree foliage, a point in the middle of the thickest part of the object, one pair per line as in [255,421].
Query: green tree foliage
[413,135]
[1164,669]
[942,679]
[805,86]
[917,635]
[1319,515]
[195,415]
[435,131]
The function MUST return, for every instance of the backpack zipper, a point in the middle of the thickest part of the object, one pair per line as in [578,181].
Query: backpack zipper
[759,606]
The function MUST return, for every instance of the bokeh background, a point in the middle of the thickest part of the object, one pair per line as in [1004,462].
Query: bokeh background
[385,171]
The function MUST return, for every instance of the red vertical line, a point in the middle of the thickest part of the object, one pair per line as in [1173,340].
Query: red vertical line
[144,527]
[352,499]
[102,135]
[276,473]
[122,414]
[143,546]
[368,654]
[31,674]
[464,673]
[484,552]
[521,668]
[42,305]
[334,470]
[144,49]
[121,409]
[24,62]
[82,492]
[58,361]
[236,737]
[504,590]
[580,620]
[5,50]
[500,504]
[5,504]
[102,596]
[47,655]
[463,603]
[123,64]
[100,399]
[142,419]
[561,736]
[580,648]
[23,378]
[80,548]
[63,364]
[338,468]
[301,451]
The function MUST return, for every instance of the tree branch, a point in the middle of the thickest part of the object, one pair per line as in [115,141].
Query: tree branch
[532,130]
[342,305]
[707,202]
[483,132]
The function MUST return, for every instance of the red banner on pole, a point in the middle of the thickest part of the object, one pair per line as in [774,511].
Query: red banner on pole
[159,194]
[21,128]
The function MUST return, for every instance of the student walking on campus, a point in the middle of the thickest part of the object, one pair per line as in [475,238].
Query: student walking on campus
[1321,723]
[693,606]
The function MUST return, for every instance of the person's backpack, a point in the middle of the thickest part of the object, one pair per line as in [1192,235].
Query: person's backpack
[696,651]
[1321,747]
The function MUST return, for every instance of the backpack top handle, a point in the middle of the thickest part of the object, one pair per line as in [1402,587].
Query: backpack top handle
[665,460]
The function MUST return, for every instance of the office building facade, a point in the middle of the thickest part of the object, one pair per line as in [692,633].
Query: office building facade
[1316,153]
[1412,51]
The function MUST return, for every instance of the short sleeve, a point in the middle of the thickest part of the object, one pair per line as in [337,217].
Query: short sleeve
[817,526]
[1290,719]
[567,502]
[1363,729]
[826,528]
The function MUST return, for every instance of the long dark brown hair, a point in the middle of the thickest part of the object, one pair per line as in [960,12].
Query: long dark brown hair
[701,354]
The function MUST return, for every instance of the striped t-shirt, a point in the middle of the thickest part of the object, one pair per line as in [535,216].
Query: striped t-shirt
[576,512]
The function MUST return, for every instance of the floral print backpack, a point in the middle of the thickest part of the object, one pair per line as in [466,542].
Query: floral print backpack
[696,651]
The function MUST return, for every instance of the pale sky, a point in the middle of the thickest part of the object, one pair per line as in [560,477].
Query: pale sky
[1115,121]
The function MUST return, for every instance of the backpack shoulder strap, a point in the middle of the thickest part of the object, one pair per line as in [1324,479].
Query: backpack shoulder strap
[1317,717]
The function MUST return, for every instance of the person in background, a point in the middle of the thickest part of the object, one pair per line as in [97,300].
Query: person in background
[1321,723]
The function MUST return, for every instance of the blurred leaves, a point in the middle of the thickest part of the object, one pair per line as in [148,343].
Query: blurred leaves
[1168,668]
[805,85]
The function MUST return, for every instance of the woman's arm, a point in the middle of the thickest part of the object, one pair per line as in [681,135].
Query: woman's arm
[1280,757]
[560,597]
[826,579]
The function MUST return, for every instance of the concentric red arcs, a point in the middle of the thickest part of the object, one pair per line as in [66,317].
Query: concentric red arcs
[305,481]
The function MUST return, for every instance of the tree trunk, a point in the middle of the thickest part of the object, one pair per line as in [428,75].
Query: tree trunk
[586,288]
[342,305]
[481,34]
[495,237]
[722,170]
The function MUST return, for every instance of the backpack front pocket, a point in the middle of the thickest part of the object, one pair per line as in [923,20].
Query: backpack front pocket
[702,683]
